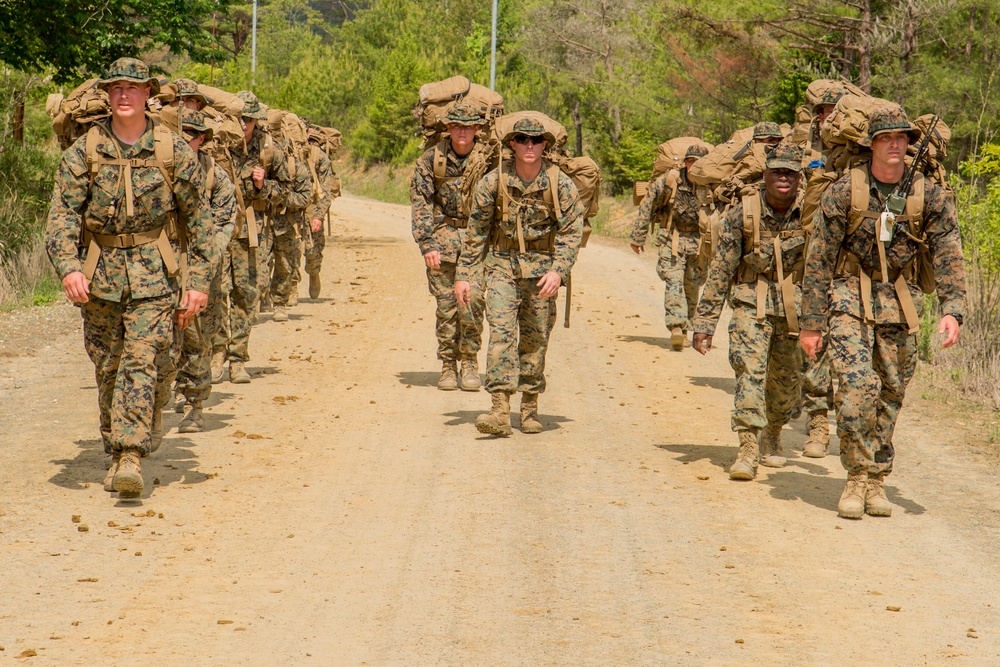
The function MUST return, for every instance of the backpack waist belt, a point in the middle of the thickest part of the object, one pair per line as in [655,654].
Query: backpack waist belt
[95,242]
[457,223]
[544,244]
[849,265]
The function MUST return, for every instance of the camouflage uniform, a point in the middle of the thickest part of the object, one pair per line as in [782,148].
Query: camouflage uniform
[240,268]
[194,377]
[678,264]
[520,321]
[286,225]
[128,320]
[762,350]
[874,360]
[439,223]
[323,196]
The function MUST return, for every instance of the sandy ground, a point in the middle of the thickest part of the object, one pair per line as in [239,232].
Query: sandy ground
[340,510]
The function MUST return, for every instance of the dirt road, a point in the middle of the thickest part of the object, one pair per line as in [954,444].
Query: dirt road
[340,510]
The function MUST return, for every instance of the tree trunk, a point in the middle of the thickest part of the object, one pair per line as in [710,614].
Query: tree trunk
[865,48]
[909,37]
[19,122]
[972,30]
[578,127]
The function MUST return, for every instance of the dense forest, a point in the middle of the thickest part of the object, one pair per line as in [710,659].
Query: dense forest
[622,75]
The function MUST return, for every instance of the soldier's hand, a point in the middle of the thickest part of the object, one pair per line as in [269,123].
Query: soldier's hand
[315,225]
[463,292]
[76,287]
[549,284]
[702,343]
[433,259]
[637,249]
[193,304]
[811,342]
[258,177]
[950,329]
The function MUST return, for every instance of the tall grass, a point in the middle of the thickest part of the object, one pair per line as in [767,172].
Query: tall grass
[383,182]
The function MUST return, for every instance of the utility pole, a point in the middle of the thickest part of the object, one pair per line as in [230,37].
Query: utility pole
[253,51]
[493,49]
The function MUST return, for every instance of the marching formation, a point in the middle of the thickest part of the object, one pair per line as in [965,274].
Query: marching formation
[179,213]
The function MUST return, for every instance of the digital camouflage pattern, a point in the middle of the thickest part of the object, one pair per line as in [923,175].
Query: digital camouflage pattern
[132,70]
[128,321]
[817,383]
[730,251]
[767,362]
[767,129]
[285,225]
[315,242]
[874,361]
[681,272]
[520,321]
[459,329]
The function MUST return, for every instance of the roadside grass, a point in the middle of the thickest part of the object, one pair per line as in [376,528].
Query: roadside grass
[382,182]
[27,279]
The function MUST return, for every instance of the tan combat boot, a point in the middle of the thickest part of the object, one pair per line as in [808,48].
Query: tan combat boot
[218,365]
[238,373]
[771,454]
[497,421]
[470,374]
[194,420]
[109,479]
[128,478]
[293,298]
[818,442]
[677,338]
[745,466]
[449,376]
[179,400]
[876,504]
[314,285]
[529,414]
[280,314]
[852,500]
[156,431]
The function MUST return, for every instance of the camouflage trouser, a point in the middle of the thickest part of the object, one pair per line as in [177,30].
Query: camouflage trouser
[315,242]
[265,264]
[520,324]
[768,366]
[873,363]
[239,281]
[683,275]
[126,340]
[459,329]
[287,249]
[817,383]
[194,374]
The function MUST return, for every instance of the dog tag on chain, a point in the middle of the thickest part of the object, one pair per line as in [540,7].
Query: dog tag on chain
[886,223]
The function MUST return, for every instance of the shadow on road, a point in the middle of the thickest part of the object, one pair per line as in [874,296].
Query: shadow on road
[718,455]
[655,341]
[419,378]
[460,417]
[727,384]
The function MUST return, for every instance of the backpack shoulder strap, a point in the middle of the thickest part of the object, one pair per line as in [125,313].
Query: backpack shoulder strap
[915,205]
[552,192]
[90,149]
[440,163]
[860,186]
[751,222]
[208,164]
[163,148]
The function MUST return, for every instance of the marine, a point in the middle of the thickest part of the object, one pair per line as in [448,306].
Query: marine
[522,247]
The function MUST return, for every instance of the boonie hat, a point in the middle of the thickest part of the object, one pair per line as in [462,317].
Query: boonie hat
[189,88]
[464,114]
[252,107]
[129,69]
[786,155]
[766,130]
[831,96]
[695,150]
[194,122]
[889,119]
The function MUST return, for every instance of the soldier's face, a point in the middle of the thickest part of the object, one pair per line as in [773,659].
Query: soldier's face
[782,184]
[192,103]
[462,137]
[248,125]
[824,111]
[196,143]
[890,148]
[526,151]
[128,98]
[688,162]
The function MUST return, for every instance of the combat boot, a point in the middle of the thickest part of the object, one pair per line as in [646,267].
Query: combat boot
[109,479]
[218,365]
[529,414]
[852,500]
[238,373]
[677,338]
[745,466]
[771,454]
[194,420]
[280,314]
[470,374]
[449,376]
[818,442]
[314,285]
[128,478]
[156,431]
[876,504]
[293,298]
[497,420]
[179,400]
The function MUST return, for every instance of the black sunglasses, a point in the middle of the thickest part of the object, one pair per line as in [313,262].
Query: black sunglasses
[524,140]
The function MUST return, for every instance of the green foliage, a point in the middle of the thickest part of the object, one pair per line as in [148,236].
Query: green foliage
[631,161]
[24,195]
[789,93]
